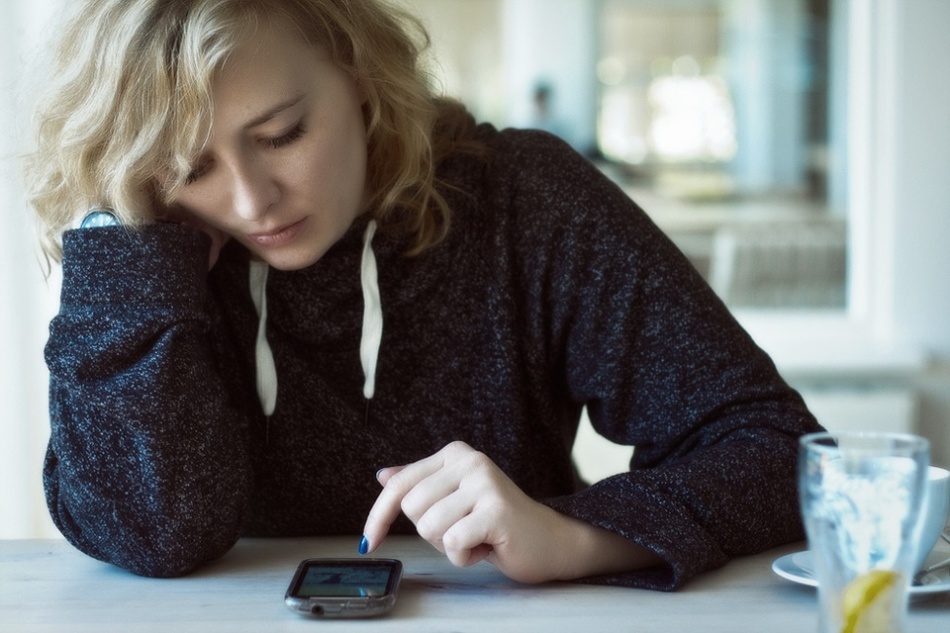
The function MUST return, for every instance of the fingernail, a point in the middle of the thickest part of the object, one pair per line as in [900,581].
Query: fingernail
[379,472]
[364,546]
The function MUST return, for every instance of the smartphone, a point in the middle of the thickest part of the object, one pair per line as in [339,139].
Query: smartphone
[344,587]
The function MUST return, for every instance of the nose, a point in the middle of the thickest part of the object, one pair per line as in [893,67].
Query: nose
[254,191]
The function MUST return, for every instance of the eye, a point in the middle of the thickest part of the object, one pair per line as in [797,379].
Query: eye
[200,170]
[287,138]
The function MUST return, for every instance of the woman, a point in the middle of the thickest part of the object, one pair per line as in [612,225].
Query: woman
[313,270]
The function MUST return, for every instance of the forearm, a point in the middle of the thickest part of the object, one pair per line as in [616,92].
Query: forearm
[697,512]
[144,494]
[589,550]
[147,465]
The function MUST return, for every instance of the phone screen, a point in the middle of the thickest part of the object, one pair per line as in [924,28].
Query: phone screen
[345,580]
[344,587]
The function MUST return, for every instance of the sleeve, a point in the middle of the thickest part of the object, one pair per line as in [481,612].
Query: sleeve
[147,463]
[663,366]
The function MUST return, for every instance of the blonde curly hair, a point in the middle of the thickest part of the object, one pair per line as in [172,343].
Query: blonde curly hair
[130,99]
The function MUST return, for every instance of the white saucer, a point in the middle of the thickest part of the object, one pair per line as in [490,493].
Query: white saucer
[798,567]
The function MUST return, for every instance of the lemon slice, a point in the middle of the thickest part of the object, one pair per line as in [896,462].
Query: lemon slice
[867,602]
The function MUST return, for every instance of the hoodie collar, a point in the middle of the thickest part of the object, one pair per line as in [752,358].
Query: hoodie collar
[370,338]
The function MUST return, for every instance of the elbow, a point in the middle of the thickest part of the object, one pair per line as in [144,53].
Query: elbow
[166,559]
[157,556]
[162,549]
[172,546]
[148,533]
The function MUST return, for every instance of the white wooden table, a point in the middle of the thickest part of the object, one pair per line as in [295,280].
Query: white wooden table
[46,585]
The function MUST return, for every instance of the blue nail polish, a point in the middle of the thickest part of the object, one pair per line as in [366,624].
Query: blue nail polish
[364,546]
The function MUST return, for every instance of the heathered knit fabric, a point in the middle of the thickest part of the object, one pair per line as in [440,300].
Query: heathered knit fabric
[553,290]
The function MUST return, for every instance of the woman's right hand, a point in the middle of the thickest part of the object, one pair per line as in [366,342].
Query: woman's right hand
[466,507]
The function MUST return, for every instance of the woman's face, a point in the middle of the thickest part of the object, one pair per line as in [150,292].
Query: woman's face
[284,169]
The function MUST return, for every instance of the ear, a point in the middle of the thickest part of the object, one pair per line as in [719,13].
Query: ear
[360,83]
[362,92]
[370,111]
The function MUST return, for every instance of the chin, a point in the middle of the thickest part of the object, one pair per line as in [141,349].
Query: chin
[290,263]
[293,259]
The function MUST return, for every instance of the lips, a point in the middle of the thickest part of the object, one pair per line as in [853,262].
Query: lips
[278,237]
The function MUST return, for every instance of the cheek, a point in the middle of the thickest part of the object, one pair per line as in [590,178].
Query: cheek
[335,165]
[201,205]
[356,151]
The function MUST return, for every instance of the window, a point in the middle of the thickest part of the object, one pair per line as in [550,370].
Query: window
[845,54]
[714,115]
[721,118]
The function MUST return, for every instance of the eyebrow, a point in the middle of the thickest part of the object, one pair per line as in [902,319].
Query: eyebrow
[272,112]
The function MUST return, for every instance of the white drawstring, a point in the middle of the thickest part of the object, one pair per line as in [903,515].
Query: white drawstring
[370,338]
[372,334]
[264,357]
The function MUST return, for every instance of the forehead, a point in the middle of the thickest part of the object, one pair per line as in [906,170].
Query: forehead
[267,64]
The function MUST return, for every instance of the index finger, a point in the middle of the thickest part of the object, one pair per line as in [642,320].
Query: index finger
[397,482]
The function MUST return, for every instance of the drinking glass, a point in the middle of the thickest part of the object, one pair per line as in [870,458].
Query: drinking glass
[861,497]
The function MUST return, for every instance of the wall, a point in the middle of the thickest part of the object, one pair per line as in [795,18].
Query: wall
[553,41]
[921,199]
[28,299]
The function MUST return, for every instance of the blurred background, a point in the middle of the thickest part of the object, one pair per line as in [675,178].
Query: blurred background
[797,151]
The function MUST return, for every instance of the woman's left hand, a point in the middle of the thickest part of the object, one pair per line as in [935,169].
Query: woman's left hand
[218,237]
[466,507]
